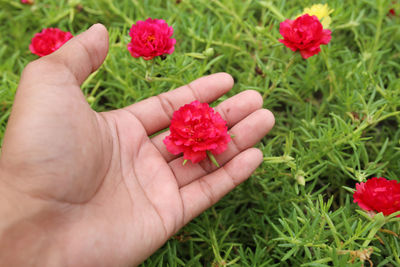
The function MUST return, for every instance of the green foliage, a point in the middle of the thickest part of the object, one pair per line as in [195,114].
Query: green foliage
[337,118]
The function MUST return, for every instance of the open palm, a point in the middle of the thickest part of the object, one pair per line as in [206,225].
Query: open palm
[94,187]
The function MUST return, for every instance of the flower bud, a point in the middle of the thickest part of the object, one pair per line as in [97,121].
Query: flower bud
[209,52]
[90,99]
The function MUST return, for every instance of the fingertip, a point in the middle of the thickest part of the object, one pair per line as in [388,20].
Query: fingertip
[256,98]
[239,106]
[221,80]
[84,53]
[226,79]
[209,88]
[265,120]
[101,32]
[270,118]
[98,27]
[244,164]
[97,34]
[257,155]
[252,158]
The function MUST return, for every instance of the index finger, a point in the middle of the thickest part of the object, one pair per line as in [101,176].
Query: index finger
[155,113]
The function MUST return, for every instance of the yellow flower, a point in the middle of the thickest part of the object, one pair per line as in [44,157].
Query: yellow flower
[322,12]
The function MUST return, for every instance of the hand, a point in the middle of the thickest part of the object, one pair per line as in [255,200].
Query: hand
[81,188]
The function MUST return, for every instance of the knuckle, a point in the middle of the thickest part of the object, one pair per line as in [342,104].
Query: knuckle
[207,191]
[166,105]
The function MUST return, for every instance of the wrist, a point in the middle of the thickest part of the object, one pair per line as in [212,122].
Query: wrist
[24,239]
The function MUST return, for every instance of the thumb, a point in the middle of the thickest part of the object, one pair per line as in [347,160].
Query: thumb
[76,59]
[51,129]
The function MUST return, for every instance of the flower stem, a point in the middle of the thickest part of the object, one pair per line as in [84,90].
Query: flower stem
[149,70]
[212,158]
[379,223]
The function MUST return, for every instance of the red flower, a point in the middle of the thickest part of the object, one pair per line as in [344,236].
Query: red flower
[378,194]
[392,11]
[151,38]
[195,129]
[28,2]
[305,34]
[48,41]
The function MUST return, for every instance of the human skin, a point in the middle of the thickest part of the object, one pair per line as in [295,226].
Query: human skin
[81,188]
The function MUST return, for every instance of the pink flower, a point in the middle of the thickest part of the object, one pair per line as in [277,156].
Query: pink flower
[28,2]
[378,194]
[305,34]
[151,38]
[195,129]
[48,41]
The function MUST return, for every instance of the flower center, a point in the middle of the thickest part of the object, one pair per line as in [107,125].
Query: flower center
[151,38]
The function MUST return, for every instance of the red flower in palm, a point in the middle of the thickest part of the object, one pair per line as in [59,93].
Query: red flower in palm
[195,129]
